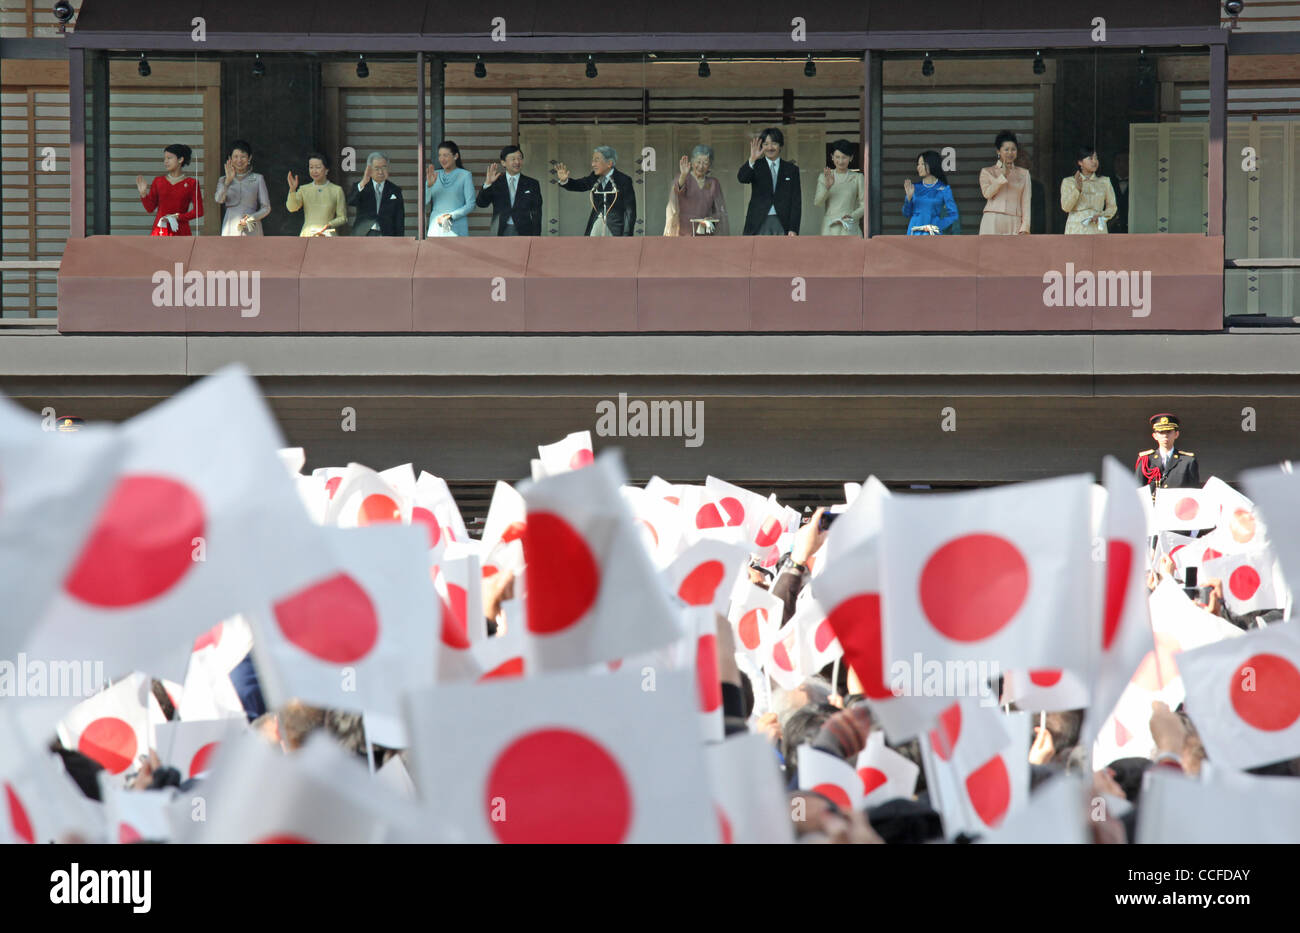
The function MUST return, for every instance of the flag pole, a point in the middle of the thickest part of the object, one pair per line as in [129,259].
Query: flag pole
[370,752]
[835,677]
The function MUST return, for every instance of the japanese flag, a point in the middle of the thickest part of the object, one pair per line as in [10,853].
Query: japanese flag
[509,653]
[990,769]
[1244,696]
[886,775]
[1247,580]
[1000,574]
[189,746]
[706,573]
[229,641]
[1228,808]
[783,663]
[293,458]
[1055,815]
[1048,690]
[701,627]
[1183,508]
[208,692]
[571,453]
[434,508]
[1124,636]
[136,815]
[503,532]
[1277,494]
[459,583]
[1184,550]
[660,524]
[111,727]
[593,594]
[365,497]
[579,759]
[830,776]
[39,802]
[817,638]
[748,794]
[359,634]
[51,487]
[202,523]
[1239,525]
[730,513]
[756,616]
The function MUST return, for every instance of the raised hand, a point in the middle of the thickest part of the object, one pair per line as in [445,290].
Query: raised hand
[685,165]
[430,174]
[829,174]
[366,177]
[493,173]
[230,171]
[141,186]
[1078,180]
[755,148]
[908,188]
[293,182]
[561,172]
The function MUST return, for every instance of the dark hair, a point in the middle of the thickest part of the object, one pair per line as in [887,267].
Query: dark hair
[1082,152]
[453,149]
[774,133]
[934,164]
[324,159]
[1006,136]
[844,146]
[181,151]
[242,145]
[506,150]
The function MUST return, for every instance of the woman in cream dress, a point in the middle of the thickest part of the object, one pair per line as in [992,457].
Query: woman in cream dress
[1006,191]
[840,191]
[1087,197]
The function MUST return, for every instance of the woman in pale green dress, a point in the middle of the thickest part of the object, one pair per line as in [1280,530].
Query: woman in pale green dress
[840,192]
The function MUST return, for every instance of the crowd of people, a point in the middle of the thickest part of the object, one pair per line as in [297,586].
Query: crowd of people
[696,204]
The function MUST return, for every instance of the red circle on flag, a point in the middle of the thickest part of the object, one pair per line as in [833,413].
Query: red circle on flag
[111,742]
[334,620]
[199,763]
[824,635]
[872,778]
[973,586]
[1210,554]
[563,577]
[989,789]
[769,533]
[835,793]
[142,543]
[424,517]
[1045,678]
[708,517]
[557,786]
[1186,508]
[1158,667]
[127,834]
[1243,582]
[701,584]
[454,632]
[18,818]
[748,628]
[1265,692]
[706,673]
[580,459]
[735,511]
[505,670]
[724,826]
[283,839]
[944,739]
[1242,525]
[332,485]
[1119,566]
[856,622]
[514,531]
[673,499]
[781,657]
[211,637]
[376,509]
[654,543]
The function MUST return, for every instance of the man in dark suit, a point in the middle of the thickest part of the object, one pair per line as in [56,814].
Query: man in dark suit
[380,209]
[613,197]
[1165,467]
[516,199]
[776,201]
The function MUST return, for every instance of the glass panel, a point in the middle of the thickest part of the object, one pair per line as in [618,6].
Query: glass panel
[1269,296]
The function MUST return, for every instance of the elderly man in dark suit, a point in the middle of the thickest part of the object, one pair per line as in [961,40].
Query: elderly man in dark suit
[776,201]
[613,198]
[516,199]
[380,209]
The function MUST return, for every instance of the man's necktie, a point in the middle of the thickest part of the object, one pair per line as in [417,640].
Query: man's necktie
[514,180]
[772,166]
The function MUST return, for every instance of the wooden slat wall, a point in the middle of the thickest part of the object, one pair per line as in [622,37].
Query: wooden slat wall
[1268,16]
[480,124]
[35,215]
[140,123]
[27,19]
[383,120]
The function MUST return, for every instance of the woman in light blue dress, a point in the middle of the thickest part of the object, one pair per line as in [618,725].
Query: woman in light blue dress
[929,207]
[449,193]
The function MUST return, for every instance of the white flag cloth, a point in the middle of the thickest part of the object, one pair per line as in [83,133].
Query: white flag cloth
[51,487]
[990,771]
[509,653]
[111,727]
[1177,509]
[365,497]
[748,793]
[997,574]
[593,594]
[203,523]
[701,628]
[358,635]
[578,759]
[1277,495]
[136,815]
[1247,580]
[886,775]
[503,531]
[1243,695]
[435,508]
[706,573]
[189,746]
[830,776]
[39,801]
[817,639]
[208,692]
[1239,520]
[1227,808]
[782,664]
[1055,815]
[755,617]
[660,523]
[293,458]
[572,453]
[1047,690]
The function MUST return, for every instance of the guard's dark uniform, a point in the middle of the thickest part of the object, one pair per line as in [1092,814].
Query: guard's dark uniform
[1180,473]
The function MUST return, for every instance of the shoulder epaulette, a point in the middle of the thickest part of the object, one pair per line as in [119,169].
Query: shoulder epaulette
[1144,453]
[1187,453]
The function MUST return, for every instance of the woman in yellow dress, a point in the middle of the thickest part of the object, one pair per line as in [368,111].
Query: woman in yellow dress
[325,211]
[840,192]
[1086,196]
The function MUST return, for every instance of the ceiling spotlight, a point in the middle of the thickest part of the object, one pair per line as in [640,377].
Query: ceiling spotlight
[704,67]
[143,68]
[1233,8]
[927,66]
[363,70]
[259,66]
[591,66]
[480,69]
[810,67]
[63,13]
[1040,67]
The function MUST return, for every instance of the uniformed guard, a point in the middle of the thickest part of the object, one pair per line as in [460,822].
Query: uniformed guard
[1166,467]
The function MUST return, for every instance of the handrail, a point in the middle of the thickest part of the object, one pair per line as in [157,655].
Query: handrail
[1261,263]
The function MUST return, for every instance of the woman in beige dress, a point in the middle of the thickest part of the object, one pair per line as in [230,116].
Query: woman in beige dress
[1006,190]
[1086,196]
[840,192]
[696,206]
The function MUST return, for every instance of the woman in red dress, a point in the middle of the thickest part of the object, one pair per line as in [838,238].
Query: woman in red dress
[175,197]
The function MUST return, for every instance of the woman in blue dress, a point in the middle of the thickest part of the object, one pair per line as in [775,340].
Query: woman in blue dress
[449,193]
[929,207]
